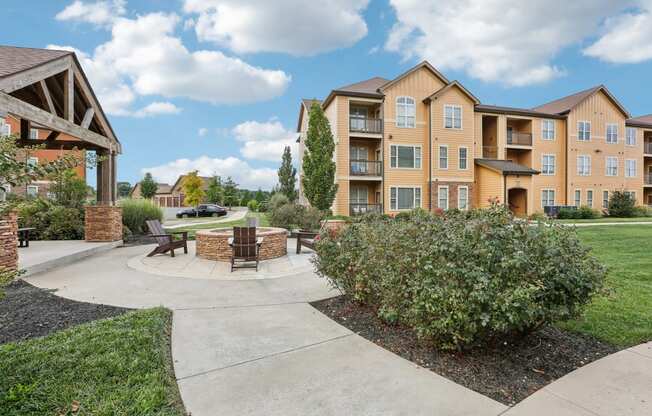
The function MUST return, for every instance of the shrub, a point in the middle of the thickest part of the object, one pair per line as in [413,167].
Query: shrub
[136,211]
[464,279]
[276,201]
[310,218]
[538,216]
[568,214]
[51,221]
[285,216]
[642,211]
[252,205]
[588,213]
[621,205]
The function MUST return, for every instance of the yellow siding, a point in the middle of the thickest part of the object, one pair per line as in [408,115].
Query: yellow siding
[540,147]
[523,182]
[490,186]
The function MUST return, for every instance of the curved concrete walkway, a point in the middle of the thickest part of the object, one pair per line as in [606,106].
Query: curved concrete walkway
[255,347]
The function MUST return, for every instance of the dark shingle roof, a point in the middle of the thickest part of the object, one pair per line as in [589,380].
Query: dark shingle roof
[484,108]
[642,121]
[506,167]
[14,59]
[369,86]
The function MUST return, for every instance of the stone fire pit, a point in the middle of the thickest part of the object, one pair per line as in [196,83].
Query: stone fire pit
[214,244]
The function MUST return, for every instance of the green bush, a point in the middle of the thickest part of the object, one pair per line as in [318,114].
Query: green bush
[252,205]
[310,218]
[642,211]
[276,201]
[588,213]
[465,278]
[568,214]
[621,205]
[136,211]
[286,216]
[51,221]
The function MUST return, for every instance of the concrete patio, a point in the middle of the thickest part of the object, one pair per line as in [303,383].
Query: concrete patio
[41,256]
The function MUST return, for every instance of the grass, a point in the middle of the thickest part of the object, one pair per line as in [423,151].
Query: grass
[117,366]
[262,220]
[623,316]
[607,219]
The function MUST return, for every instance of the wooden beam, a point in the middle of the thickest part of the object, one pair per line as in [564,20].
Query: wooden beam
[22,79]
[50,121]
[25,128]
[69,95]
[44,92]
[88,117]
[58,144]
[52,136]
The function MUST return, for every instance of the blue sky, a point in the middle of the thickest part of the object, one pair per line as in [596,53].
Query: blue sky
[143,56]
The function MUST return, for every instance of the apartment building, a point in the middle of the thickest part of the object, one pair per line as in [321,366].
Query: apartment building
[420,140]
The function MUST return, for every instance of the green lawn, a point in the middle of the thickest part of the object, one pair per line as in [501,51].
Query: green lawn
[117,366]
[607,219]
[262,218]
[624,316]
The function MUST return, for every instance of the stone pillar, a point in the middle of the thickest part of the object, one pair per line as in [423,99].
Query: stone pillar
[103,223]
[9,241]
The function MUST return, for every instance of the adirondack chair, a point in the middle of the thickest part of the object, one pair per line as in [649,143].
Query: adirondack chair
[165,241]
[245,246]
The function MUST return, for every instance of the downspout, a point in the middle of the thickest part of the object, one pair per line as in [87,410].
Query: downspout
[430,155]
[566,167]
[505,202]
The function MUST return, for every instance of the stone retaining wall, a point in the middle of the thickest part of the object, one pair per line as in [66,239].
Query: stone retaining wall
[103,223]
[214,245]
[9,241]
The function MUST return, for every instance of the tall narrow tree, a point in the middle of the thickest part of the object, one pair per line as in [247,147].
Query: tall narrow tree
[287,175]
[192,189]
[230,192]
[214,191]
[148,187]
[318,178]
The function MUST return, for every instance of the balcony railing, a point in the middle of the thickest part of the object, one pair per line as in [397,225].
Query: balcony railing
[521,139]
[647,148]
[647,178]
[362,208]
[360,167]
[365,125]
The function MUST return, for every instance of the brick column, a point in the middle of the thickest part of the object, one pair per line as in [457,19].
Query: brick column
[9,241]
[103,223]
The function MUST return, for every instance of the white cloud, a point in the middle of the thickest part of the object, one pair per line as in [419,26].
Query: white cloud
[627,39]
[202,131]
[100,13]
[264,141]
[244,174]
[509,41]
[297,27]
[157,108]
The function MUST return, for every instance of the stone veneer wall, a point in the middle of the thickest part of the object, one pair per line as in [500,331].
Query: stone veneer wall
[103,223]
[216,246]
[452,193]
[9,241]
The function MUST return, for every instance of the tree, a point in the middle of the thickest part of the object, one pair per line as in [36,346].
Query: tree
[69,189]
[214,191]
[148,187]
[260,196]
[287,176]
[245,196]
[318,166]
[621,204]
[230,192]
[192,189]
[123,189]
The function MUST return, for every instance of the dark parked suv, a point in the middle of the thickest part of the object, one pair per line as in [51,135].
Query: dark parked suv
[205,210]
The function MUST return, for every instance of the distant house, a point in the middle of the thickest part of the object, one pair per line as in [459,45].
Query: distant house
[162,198]
[177,189]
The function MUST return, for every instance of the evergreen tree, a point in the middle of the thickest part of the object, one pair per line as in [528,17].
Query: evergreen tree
[318,178]
[148,187]
[260,196]
[215,192]
[192,189]
[230,192]
[287,176]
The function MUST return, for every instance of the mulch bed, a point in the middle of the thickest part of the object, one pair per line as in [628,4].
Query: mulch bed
[29,312]
[507,372]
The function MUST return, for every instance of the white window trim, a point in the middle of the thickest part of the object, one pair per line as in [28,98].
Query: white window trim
[32,158]
[397,116]
[606,133]
[575,200]
[5,126]
[602,204]
[414,202]
[606,166]
[453,106]
[554,164]
[448,156]
[31,187]
[627,130]
[553,196]
[448,201]
[414,157]
[592,197]
[554,129]
[626,168]
[577,161]
[460,199]
[586,122]
[459,149]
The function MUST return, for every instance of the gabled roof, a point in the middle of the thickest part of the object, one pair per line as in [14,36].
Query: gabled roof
[14,59]
[423,64]
[448,86]
[179,182]
[506,167]
[641,121]
[494,109]
[366,89]
[566,104]
[304,108]
[161,188]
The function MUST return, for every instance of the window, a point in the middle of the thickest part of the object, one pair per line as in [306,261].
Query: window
[548,129]
[463,197]
[452,116]
[32,190]
[32,161]
[442,197]
[463,162]
[631,136]
[548,164]
[630,168]
[443,157]
[605,199]
[589,198]
[408,157]
[33,134]
[612,133]
[584,165]
[405,112]
[404,198]
[578,197]
[612,166]
[584,130]
[5,128]
[547,197]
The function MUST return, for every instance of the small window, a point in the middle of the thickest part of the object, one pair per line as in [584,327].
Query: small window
[32,191]
[605,199]
[463,160]
[408,157]
[630,168]
[452,116]
[612,166]
[442,197]
[578,197]
[584,130]
[547,197]
[584,165]
[612,133]
[631,136]
[5,128]
[548,129]
[405,112]
[404,198]
[32,161]
[548,164]
[443,157]
[33,134]
[463,197]
[589,198]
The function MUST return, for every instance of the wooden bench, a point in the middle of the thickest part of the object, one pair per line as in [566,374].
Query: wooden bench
[306,239]
[23,236]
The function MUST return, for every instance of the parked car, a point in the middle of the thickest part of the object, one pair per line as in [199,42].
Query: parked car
[204,210]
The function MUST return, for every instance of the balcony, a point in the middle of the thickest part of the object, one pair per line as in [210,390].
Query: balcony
[647,148]
[363,208]
[359,167]
[365,125]
[647,178]
[519,139]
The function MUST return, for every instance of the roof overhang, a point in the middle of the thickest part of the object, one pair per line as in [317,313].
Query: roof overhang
[482,108]
[454,84]
[506,167]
